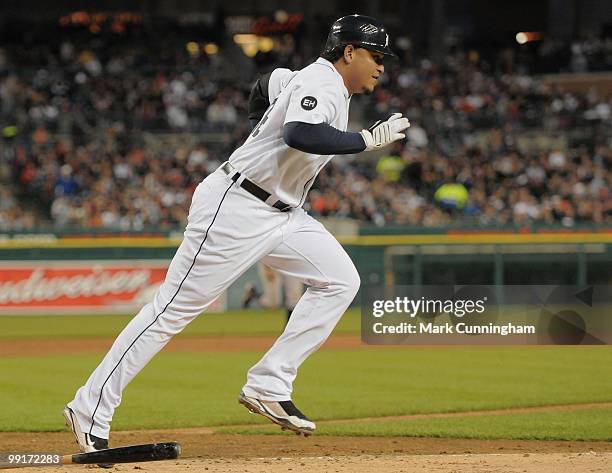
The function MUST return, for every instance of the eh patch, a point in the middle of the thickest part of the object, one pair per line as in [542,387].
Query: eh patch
[309,102]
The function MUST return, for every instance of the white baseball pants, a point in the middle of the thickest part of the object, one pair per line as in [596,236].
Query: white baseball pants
[229,230]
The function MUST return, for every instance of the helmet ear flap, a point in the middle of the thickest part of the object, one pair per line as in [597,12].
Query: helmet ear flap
[332,54]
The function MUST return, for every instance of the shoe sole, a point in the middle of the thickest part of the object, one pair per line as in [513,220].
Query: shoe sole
[70,424]
[284,424]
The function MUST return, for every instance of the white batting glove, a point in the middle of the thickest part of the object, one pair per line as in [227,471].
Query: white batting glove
[385,132]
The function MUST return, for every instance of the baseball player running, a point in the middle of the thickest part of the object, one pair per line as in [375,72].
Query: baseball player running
[250,209]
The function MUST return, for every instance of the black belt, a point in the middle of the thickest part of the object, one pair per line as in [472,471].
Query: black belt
[254,189]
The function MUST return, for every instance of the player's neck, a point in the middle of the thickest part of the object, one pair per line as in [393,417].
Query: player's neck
[341,66]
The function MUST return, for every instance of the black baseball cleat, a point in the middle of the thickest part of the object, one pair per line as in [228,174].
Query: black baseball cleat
[283,413]
[87,443]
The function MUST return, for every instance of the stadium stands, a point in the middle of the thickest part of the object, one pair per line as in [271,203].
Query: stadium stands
[106,134]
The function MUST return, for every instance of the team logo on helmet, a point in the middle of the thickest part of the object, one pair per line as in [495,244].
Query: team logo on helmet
[309,102]
[369,29]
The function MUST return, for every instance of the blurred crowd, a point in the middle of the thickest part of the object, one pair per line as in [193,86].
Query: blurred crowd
[586,55]
[430,189]
[88,141]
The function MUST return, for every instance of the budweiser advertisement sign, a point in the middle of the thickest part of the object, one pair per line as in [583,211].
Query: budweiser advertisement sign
[42,287]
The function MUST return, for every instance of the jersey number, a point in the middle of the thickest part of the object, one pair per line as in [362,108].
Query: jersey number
[263,120]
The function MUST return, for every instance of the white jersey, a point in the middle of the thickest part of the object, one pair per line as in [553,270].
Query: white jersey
[316,94]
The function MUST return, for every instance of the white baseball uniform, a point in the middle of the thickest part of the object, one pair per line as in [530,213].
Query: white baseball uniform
[228,230]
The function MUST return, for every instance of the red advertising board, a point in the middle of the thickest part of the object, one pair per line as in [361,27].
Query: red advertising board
[41,287]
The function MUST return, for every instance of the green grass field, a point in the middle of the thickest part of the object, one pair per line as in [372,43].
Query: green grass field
[253,322]
[592,424]
[200,389]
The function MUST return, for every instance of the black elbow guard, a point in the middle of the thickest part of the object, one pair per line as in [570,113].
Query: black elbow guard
[258,99]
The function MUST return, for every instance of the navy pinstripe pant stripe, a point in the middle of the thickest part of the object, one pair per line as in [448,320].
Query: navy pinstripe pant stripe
[93,415]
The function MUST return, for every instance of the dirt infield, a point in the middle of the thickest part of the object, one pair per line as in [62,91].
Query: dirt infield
[206,450]
[210,452]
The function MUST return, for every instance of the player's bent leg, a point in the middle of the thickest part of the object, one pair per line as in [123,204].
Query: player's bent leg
[311,254]
[196,276]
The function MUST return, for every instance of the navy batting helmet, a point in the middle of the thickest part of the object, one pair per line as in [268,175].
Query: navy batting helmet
[359,30]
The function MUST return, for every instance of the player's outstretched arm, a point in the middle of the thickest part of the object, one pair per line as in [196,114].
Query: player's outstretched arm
[322,138]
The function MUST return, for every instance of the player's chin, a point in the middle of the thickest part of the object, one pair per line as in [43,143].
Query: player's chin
[368,89]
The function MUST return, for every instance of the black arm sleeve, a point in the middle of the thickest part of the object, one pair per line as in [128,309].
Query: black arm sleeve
[259,100]
[322,138]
